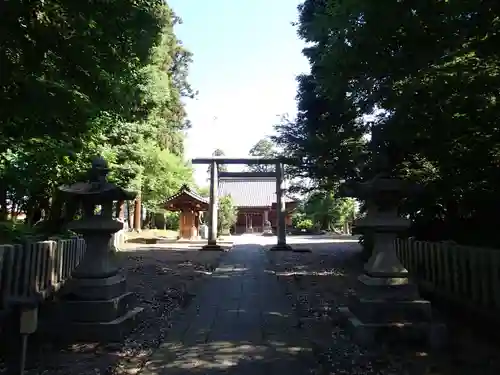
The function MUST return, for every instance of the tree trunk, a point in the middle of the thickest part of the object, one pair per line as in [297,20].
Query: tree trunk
[325,223]
[137,214]
[148,221]
[3,204]
[129,215]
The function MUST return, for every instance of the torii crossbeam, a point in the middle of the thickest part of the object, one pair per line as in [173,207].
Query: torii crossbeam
[280,198]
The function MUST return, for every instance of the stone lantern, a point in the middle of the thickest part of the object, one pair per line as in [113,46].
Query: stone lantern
[387,304]
[96,304]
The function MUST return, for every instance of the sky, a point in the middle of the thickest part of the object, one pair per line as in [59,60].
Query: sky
[246,57]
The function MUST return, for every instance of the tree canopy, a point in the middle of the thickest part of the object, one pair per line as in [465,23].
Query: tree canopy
[220,167]
[264,148]
[76,84]
[326,211]
[425,76]
[227,215]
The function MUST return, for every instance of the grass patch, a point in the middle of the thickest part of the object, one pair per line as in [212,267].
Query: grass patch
[149,236]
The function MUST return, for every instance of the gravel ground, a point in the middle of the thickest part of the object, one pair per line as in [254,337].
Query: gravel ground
[321,281]
[164,281]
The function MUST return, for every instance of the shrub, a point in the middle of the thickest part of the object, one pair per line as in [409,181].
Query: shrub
[14,232]
[227,215]
[306,224]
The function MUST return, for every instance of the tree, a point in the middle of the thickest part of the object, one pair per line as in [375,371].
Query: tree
[329,212]
[204,191]
[227,214]
[220,167]
[114,88]
[433,109]
[265,149]
[70,74]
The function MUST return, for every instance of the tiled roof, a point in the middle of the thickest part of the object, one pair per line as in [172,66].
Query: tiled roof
[249,191]
[189,192]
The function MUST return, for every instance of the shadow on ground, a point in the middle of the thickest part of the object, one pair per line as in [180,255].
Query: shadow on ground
[315,283]
[230,357]
[242,324]
[318,283]
[165,282]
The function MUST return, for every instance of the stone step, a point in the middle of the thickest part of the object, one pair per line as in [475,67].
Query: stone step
[96,311]
[375,289]
[367,334]
[95,289]
[382,311]
[112,331]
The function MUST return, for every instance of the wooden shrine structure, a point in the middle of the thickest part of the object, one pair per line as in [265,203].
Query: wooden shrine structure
[277,174]
[254,196]
[191,206]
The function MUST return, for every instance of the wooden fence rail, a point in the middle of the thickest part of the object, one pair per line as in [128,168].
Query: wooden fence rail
[31,272]
[468,275]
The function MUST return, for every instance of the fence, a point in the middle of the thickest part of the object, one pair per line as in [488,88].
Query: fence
[31,272]
[467,275]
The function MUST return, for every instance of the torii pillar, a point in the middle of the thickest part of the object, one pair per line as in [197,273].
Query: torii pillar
[214,183]
[212,210]
[280,211]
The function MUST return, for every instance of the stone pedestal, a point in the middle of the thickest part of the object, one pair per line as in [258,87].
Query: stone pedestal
[280,212]
[281,247]
[267,230]
[387,304]
[390,309]
[96,305]
[212,246]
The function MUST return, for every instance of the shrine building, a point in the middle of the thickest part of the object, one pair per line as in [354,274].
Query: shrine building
[191,206]
[255,199]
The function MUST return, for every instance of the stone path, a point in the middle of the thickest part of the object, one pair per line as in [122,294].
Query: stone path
[241,322]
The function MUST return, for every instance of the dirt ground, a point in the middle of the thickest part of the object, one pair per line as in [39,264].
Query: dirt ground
[319,282]
[165,280]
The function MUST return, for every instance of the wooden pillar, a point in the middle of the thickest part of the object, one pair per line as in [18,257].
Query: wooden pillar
[212,222]
[187,224]
[181,224]
[197,223]
[280,205]
[137,213]
[192,224]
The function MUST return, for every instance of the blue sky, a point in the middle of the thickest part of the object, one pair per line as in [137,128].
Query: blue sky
[246,57]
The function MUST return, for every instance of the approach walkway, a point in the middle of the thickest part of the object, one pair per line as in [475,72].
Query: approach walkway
[241,322]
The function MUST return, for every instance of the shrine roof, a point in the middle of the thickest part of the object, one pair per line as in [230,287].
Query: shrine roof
[185,194]
[250,191]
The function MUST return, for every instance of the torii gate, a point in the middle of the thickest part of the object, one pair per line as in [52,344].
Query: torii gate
[280,198]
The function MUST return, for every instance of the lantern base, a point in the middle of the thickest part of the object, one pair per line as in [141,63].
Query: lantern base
[95,310]
[104,331]
[212,246]
[390,309]
[281,247]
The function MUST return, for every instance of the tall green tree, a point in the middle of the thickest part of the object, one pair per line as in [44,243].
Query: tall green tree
[227,214]
[62,59]
[264,148]
[81,81]
[220,167]
[434,108]
[327,211]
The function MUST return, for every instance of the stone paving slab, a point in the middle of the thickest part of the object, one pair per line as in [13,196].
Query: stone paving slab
[240,323]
